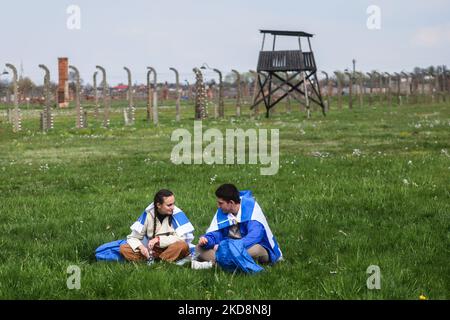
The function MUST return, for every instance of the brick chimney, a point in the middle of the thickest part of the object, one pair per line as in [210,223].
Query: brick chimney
[63,84]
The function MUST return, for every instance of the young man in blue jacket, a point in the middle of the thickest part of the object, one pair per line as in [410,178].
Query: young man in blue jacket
[238,217]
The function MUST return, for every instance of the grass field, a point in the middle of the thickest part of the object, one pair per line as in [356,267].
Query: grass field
[361,187]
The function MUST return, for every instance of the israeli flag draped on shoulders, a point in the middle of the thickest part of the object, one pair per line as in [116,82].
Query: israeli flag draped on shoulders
[250,210]
[180,222]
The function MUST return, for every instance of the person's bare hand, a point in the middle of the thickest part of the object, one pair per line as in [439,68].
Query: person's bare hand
[144,251]
[153,242]
[202,241]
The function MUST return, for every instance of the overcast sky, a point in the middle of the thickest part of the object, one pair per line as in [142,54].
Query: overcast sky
[222,33]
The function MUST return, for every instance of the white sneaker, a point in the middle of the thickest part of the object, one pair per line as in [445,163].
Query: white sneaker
[201,265]
[183,261]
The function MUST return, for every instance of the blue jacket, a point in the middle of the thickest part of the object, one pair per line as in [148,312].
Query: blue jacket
[252,233]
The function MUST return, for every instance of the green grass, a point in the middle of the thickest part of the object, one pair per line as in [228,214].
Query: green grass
[335,211]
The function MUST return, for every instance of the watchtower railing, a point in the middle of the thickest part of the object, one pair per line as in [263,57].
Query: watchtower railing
[286,60]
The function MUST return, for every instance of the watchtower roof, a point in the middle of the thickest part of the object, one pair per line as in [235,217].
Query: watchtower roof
[288,33]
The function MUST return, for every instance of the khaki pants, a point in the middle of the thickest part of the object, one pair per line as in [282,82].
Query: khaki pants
[174,252]
[257,252]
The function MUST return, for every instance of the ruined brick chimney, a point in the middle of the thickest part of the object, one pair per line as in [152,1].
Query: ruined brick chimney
[63,83]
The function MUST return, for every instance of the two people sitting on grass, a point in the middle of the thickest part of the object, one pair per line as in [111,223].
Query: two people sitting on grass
[239,233]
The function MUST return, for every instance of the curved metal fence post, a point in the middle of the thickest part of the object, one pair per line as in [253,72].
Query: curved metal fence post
[200,105]
[129,114]
[350,90]
[408,86]
[362,88]
[339,89]
[221,102]
[431,86]
[155,96]
[380,86]
[106,100]
[245,91]
[238,93]
[380,83]
[96,111]
[305,88]
[446,85]
[16,118]
[47,117]
[414,88]
[437,85]
[79,110]
[423,86]
[371,88]
[398,79]
[388,89]
[255,92]
[177,106]
[327,80]
[149,98]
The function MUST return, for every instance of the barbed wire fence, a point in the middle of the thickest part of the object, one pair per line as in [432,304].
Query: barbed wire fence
[205,89]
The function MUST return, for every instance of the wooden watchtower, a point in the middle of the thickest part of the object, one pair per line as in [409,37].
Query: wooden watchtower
[287,71]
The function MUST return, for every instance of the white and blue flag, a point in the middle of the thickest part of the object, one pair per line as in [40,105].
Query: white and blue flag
[250,210]
[180,222]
